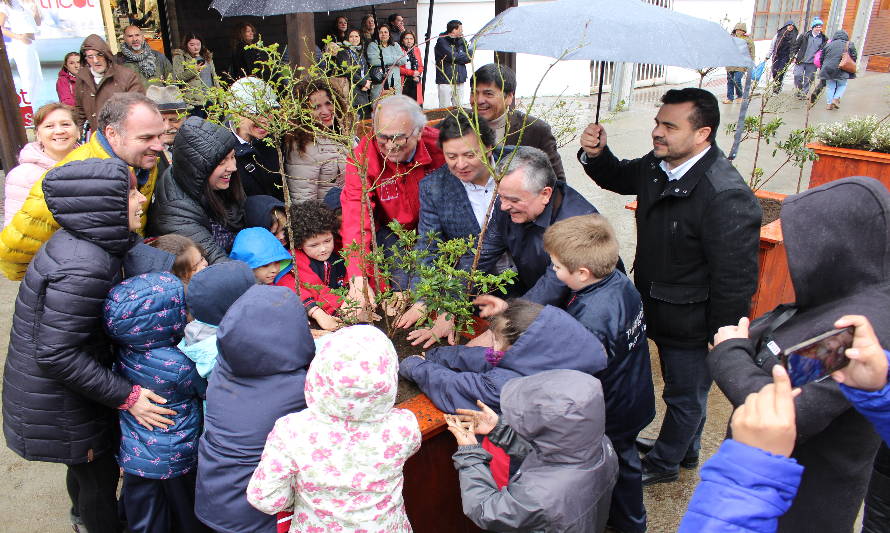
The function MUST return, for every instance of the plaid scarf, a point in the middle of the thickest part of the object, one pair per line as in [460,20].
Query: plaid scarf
[144,60]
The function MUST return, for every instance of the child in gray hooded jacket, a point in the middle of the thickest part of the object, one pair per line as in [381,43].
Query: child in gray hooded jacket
[553,423]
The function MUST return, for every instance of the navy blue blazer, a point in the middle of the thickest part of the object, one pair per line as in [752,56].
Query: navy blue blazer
[446,210]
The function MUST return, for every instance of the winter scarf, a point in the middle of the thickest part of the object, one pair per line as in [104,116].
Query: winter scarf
[144,60]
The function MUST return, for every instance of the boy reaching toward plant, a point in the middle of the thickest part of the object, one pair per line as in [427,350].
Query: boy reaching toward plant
[319,265]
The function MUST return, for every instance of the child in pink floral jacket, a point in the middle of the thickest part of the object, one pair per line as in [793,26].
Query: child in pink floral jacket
[338,463]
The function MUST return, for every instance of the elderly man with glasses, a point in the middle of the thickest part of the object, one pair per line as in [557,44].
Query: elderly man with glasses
[100,80]
[390,162]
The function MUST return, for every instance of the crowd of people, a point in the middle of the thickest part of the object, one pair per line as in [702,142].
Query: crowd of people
[805,55]
[181,322]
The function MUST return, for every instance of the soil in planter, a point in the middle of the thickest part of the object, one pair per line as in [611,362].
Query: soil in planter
[770,210]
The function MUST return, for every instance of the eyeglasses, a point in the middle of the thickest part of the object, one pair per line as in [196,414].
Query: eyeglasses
[93,56]
[397,138]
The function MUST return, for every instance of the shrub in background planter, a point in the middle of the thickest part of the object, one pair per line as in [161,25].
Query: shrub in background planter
[859,146]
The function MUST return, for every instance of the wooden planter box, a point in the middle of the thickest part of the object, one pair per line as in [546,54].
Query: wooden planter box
[432,488]
[773,278]
[836,163]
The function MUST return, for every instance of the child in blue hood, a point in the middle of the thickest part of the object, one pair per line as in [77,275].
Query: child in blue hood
[144,317]
[211,292]
[529,338]
[262,252]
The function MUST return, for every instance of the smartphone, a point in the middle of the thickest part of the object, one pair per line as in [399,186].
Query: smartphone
[816,358]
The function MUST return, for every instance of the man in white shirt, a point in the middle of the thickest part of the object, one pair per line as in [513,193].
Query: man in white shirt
[454,199]
[698,227]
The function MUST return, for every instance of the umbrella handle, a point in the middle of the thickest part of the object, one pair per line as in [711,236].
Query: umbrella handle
[599,94]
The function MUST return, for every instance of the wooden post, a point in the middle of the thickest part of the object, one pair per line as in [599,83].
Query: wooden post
[860,27]
[170,25]
[12,128]
[300,39]
[505,58]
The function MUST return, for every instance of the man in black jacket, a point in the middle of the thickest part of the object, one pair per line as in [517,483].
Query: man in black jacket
[804,53]
[698,227]
[452,55]
[492,90]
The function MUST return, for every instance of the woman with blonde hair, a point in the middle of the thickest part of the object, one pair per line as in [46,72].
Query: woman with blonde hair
[57,134]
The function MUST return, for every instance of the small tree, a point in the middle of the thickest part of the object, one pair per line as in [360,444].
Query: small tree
[277,106]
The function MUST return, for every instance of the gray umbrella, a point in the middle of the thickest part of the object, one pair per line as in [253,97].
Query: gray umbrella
[265,8]
[615,30]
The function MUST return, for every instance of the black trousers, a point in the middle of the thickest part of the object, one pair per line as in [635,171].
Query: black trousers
[92,488]
[687,381]
[877,501]
[627,512]
[161,505]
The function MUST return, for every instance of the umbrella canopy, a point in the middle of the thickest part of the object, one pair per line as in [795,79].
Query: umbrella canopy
[613,30]
[266,8]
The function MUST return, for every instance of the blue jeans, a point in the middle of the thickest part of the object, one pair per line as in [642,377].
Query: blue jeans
[734,83]
[687,381]
[834,90]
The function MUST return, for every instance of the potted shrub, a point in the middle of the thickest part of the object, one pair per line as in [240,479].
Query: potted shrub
[858,146]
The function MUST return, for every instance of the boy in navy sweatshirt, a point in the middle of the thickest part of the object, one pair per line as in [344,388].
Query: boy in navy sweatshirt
[584,252]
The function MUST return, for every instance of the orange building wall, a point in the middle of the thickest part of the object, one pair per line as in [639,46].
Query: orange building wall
[877,41]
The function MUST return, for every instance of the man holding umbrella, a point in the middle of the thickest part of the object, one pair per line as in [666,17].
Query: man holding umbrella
[698,227]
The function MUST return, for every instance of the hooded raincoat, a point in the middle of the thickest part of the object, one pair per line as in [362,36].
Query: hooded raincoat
[454,377]
[832,54]
[554,424]
[59,392]
[117,78]
[264,349]
[837,238]
[339,462]
[211,293]
[180,205]
[145,316]
[258,247]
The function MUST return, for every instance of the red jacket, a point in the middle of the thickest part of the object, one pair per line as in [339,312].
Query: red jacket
[313,289]
[406,71]
[395,193]
[65,87]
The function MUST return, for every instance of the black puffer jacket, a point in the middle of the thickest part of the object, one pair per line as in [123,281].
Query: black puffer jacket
[179,205]
[59,393]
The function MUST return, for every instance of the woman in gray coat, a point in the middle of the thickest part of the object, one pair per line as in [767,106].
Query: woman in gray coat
[385,52]
[835,78]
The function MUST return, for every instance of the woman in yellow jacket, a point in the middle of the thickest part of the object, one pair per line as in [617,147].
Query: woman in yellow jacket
[34,224]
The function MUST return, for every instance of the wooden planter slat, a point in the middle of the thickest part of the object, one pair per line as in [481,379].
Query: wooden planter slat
[836,163]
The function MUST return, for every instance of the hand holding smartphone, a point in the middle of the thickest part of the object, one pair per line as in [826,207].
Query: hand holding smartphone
[816,358]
